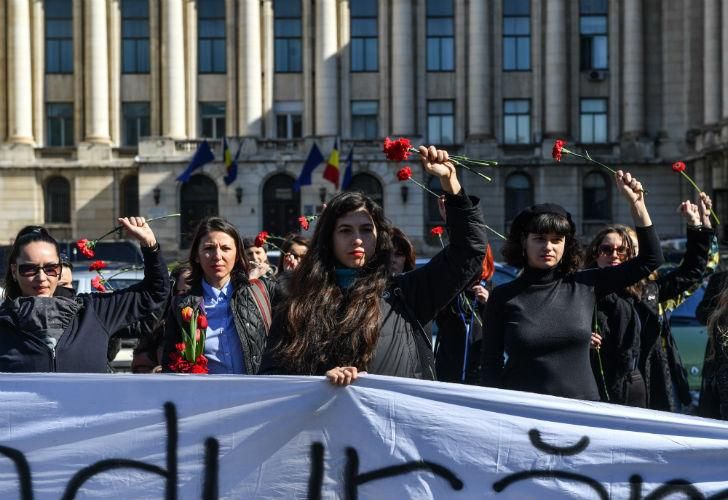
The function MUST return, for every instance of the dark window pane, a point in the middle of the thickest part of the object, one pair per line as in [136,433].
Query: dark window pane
[297,123]
[440,8]
[287,8]
[372,54]
[282,126]
[364,8]
[516,7]
[440,27]
[58,201]
[592,6]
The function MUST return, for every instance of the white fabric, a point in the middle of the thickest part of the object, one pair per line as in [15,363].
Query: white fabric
[265,427]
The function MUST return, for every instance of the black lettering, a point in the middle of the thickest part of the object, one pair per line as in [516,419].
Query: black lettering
[535,436]
[170,474]
[210,486]
[352,478]
[316,479]
[23,468]
[504,483]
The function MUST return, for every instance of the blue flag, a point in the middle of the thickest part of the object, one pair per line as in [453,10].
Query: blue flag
[202,155]
[315,158]
[349,167]
[231,164]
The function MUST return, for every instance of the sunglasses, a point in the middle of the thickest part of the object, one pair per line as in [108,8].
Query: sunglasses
[30,270]
[609,250]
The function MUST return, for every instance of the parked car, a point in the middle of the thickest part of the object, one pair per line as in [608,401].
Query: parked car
[691,337]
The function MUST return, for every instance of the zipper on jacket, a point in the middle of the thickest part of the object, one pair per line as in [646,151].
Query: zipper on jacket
[51,349]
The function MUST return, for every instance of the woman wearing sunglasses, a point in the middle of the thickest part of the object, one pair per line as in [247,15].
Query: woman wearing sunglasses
[640,360]
[40,332]
[542,320]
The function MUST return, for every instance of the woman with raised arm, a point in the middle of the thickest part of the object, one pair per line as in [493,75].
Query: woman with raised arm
[40,332]
[542,320]
[346,312]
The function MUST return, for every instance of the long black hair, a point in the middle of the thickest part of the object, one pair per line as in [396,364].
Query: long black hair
[325,326]
[27,235]
[239,274]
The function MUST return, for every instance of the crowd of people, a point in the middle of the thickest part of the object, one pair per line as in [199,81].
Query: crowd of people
[590,325]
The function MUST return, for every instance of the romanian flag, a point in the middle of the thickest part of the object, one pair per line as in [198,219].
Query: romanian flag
[231,164]
[332,166]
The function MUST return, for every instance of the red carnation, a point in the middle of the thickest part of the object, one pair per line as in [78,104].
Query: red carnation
[97,284]
[97,265]
[437,231]
[678,166]
[398,150]
[261,239]
[202,321]
[558,147]
[304,222]
[86,247]
[404,173]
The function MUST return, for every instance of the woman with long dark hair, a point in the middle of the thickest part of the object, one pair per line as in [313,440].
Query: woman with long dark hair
[346,313]
[40,332]
[237,309]
[403,252]
[542,320]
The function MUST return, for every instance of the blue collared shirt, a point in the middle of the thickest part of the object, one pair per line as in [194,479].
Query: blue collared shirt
[222,344]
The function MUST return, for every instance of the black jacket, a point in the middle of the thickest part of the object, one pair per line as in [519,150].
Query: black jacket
[660,362]
[61,334]
[411,300]
[246,317]
[714,385]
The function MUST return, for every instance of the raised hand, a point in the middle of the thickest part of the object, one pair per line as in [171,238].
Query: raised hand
[138,229]
[690,212]
[632,190]
[705,204]
[436,162]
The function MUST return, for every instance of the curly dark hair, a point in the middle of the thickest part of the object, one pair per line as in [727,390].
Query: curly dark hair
[624,233]
[323,325]
[514,251]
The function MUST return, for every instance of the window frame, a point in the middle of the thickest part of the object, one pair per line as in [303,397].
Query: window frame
[279,68]
[50,215]
[439,39]
[366,42]
[516,38]
[141,125]
[583,114]
[138,69]
[431,115]
[588,218]
[367,120]
[63,41]
[293,113]
[66,122]
[507,115]
[218,119]
[587,57]
[213,66]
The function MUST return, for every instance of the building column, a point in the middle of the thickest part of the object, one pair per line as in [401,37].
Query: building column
[20,84]
[173,69]
[38,64]
[190,40]
[250,89]
[403,84]
[724,53]
[326,91]
[633,101]
[556,69]
[96,76]
[479,65]
[711,63]
[268,73]
[114,105]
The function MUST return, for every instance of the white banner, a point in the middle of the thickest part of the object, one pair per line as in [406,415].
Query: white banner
[191,437]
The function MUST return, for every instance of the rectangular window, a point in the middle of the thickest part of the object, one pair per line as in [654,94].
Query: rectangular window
[212,119]
[288,36]
[135,36]
[211,37]
[59,36]
[516,35]
[593,34]
[440,35]
[516,121]
[136,122]
[364,122]
[440,122]
[593,117]
[289,122]
[364,33]
[59,124]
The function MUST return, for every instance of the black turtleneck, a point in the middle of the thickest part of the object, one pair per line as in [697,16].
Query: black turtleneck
[542,321]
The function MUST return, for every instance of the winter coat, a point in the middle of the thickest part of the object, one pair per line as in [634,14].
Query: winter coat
[403,348]
[660,363]
[246,318]
[714,386]
[63,334]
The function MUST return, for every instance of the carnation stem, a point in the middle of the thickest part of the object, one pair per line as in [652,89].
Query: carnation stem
[589,158]
[425,188]
[464,160]
[470,169]
[699,191]
[117,228]
[494,231]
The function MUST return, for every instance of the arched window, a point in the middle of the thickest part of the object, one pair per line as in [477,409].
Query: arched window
[129,196]
[369,185]
[58,201]
[596,204]
[519,195]
[281,205]
[198,199]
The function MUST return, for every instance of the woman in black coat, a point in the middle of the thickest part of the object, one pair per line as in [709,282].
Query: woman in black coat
[40,332]
[542,320]
[346,313]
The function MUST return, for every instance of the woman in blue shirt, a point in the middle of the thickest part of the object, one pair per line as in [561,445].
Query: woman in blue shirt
[238,320]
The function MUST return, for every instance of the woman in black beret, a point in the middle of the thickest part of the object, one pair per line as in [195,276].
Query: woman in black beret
[542,320]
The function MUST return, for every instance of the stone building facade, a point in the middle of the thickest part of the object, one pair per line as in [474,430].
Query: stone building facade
[105,102]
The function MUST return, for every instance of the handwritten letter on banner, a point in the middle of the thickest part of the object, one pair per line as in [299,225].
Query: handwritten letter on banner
[185,437]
